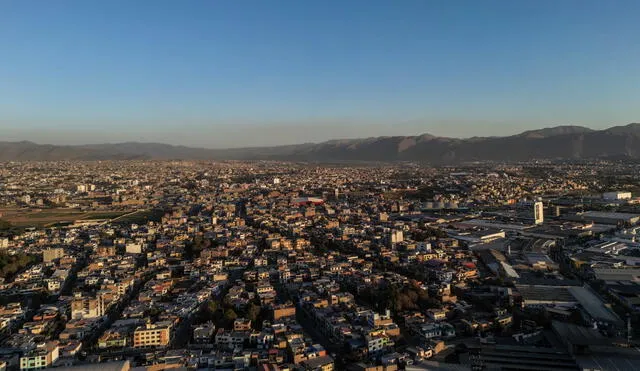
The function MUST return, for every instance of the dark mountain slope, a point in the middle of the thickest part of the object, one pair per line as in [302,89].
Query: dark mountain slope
[562,142]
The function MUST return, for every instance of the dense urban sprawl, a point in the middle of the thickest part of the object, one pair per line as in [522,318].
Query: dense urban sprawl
[156,265]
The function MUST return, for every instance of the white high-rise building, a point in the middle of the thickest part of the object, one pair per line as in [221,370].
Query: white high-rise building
[395,236]
[538,212]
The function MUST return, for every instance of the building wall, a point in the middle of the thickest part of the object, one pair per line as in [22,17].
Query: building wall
[616,195]
[284,312]
[538,212]
[41,359]
[52,254]
[133,248]
[151,337]
[87,308]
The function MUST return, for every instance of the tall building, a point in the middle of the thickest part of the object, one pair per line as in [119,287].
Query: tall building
[395,236]
[152,335]
[86,307]
[43,356]
[50,255]
[530,211]
[538,212]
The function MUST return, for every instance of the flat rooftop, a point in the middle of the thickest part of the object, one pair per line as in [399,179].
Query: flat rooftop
[612,215]
[593,305]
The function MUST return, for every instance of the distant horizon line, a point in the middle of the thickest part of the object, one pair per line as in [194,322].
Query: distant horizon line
[318,142]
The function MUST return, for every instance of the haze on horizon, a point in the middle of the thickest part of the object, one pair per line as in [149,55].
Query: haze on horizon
[258,73]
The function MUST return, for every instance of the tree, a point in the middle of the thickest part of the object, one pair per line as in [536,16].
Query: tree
[212,306]
[152,312]
[210,312]
[230,315]
[12,264]
[413,296]
[9,230]
[4,225]
[253,311]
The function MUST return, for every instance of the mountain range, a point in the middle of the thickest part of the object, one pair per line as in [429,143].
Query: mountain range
[561,142]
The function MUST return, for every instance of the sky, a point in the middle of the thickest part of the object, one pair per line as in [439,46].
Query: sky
[233,73]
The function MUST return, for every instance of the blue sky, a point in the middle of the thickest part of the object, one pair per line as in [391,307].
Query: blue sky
[240,72]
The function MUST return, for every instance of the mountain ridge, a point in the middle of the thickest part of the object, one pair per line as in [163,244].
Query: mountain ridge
[559,142]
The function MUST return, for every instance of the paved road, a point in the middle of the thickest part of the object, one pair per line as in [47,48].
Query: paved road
[183,332]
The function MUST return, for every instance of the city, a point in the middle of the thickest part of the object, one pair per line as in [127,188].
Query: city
[296,185]
[290,266]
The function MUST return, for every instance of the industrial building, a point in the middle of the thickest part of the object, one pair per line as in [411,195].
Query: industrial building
[616,196]
[602,217]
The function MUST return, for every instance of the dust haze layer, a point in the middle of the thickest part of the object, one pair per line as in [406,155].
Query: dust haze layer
[561,142]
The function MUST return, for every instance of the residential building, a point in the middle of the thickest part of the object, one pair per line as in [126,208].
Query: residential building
[50,255]
[152,335]
[43,356]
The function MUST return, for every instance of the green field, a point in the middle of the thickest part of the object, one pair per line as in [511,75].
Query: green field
[17,219]
[103,215]
[140,217]
[46,217]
